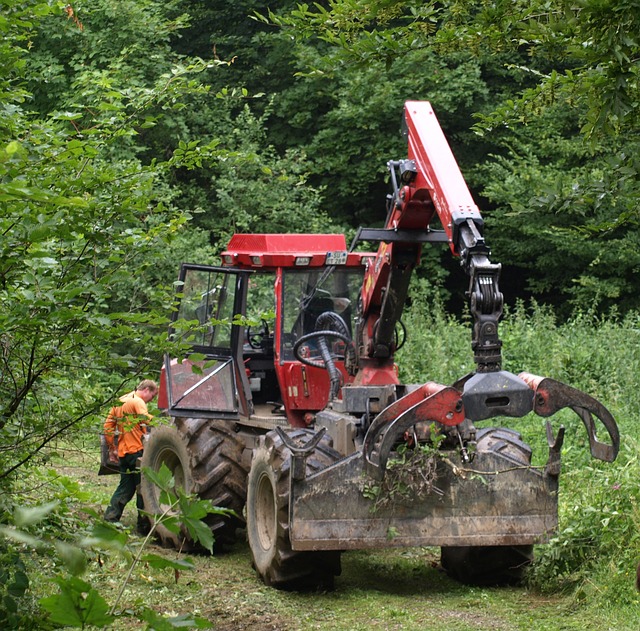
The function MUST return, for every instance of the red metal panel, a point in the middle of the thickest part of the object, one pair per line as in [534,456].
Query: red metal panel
[259,251]
[286,243]
[438,171]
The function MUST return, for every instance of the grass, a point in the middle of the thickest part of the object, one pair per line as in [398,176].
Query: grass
[386,589]
[584,579]
[377,590]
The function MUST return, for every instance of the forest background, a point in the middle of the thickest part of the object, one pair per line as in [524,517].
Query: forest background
[138,134]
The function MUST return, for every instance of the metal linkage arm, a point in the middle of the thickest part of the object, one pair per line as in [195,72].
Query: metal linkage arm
[485,298]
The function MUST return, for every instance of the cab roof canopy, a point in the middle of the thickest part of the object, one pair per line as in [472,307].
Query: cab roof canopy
[256,251]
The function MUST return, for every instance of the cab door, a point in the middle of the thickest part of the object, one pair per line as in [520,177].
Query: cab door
[208,380]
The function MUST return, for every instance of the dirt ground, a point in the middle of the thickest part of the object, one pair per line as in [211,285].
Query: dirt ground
[388,589]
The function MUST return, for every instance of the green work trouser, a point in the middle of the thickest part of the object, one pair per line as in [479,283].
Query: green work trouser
[128,487]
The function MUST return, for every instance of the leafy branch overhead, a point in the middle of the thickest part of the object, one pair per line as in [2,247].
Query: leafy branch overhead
[580,53]
[551,85]
[77,222]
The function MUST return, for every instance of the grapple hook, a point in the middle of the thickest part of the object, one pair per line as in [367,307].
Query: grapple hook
[300,453]
[551,395]
[430,402]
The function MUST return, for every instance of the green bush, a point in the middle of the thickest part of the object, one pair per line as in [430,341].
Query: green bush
[18,607]
[595,550]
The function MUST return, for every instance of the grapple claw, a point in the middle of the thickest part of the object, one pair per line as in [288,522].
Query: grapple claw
[555,447]
[551,395]
[431,402]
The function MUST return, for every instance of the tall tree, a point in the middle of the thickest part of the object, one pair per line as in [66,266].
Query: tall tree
[561,133]
[83,221]
[98,148]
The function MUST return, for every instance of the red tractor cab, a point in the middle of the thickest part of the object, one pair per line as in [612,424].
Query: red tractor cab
[247,320]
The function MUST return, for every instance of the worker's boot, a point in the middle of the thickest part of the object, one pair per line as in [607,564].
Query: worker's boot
[143,527]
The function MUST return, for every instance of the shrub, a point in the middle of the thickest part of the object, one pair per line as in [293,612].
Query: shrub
[596,546]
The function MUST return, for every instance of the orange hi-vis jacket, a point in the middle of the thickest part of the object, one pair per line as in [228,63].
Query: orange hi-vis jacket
[129,423]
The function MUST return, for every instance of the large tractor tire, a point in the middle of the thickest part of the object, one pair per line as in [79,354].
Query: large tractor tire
[268,517]
[492,565]
[205,458]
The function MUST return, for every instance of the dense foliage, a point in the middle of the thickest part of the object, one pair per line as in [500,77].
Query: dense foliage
[80,214]
[595,552]
[137,134]
[554,87]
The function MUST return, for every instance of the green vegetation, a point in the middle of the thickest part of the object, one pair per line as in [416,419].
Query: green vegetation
[138,134]
[583,579]
[586,573]
[595,553]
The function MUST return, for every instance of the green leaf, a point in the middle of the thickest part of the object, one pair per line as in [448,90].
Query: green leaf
[171,523]
[27,516]
[161,563]
[13,147]
[163,478]
[72,557]
[19,585]
[106,536]
[10,604]
[77,605]
[200,532]
[67,116]
[42,9]
[21,537]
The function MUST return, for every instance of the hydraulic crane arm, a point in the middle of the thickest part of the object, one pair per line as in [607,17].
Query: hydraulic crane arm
[428,184]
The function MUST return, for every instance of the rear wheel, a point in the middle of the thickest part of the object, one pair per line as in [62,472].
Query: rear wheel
[205,458]
[268,517]
[492,565]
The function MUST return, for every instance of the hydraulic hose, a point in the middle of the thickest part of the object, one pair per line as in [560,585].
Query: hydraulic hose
[333,322]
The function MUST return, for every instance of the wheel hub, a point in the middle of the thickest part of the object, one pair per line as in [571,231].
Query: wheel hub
[266,511]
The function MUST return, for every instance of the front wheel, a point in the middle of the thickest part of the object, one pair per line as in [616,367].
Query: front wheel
[276,563]
[492,565]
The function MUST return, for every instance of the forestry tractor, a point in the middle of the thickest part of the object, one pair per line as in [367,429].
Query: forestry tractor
[298,421]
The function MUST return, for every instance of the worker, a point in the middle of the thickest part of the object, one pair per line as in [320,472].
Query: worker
[128,422]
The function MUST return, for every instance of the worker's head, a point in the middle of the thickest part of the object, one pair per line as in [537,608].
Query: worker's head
[147,390]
